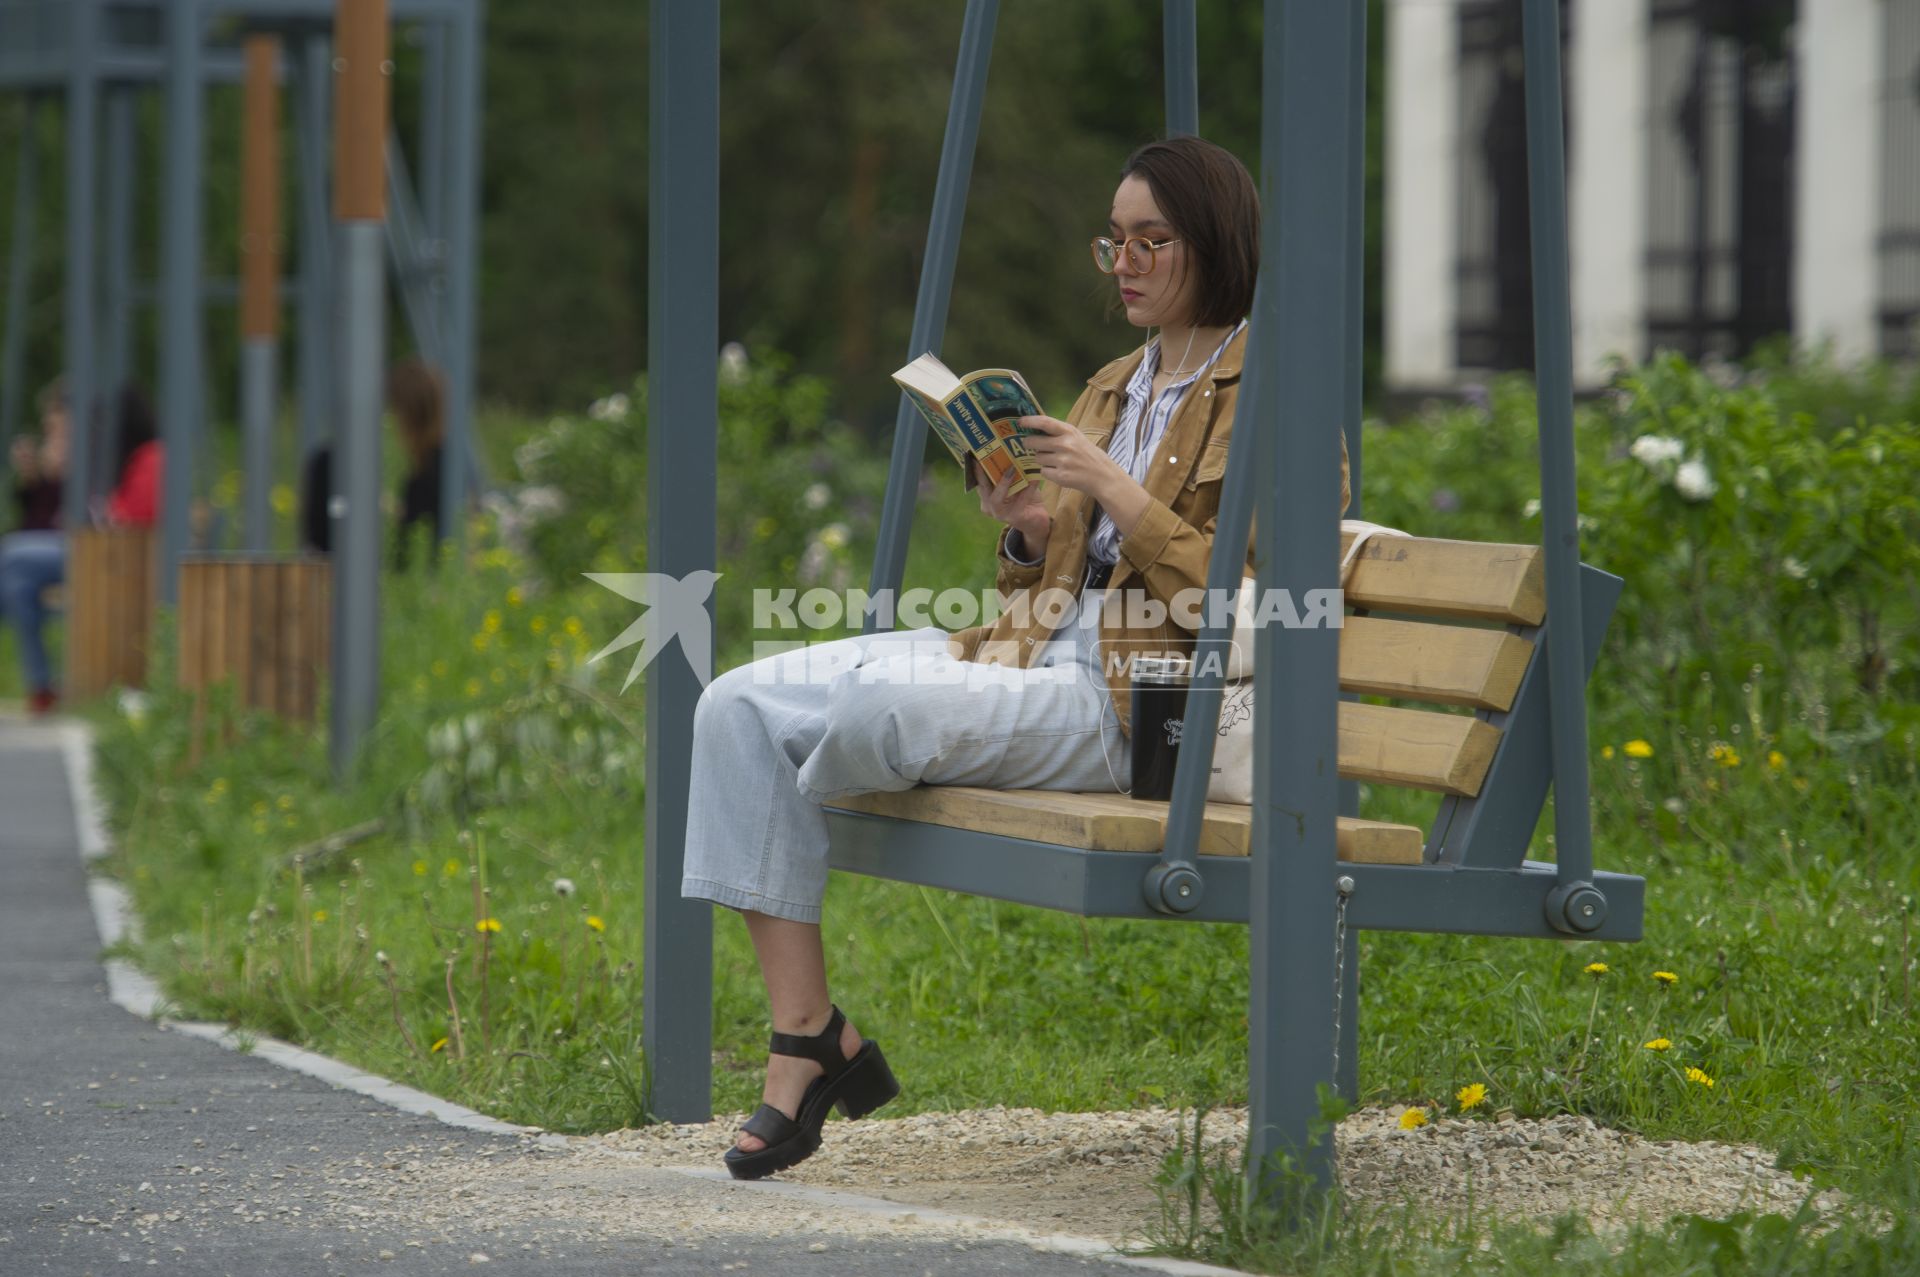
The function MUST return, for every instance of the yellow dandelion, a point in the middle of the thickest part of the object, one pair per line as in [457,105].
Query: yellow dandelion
[1667,979]
[219,785]
[419,868]
[1699,1076]
[538,625]
[487,924]
[515,598]
[765,528]
[572,626]
[439,1044]
[452,868]
[282,500]
[473,688]
[1595,969]
[259,826]
[284,802]
[1800,783]
[260,808]
[1638,749]
[498,676]
[1606,751]
[1658,1044]
[1724,754]
[596,922]
[1413,1119]
[438,669]
[490,623]
[1471,1097]
[480,642]
[1776,760]
[319,915]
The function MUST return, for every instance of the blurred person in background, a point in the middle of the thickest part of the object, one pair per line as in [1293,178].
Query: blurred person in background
[416,397]
[33,559]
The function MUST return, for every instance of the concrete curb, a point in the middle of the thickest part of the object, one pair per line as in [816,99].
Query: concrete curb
[134,991]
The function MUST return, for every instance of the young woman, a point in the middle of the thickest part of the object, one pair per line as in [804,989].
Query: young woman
[1038,700]
[30,561]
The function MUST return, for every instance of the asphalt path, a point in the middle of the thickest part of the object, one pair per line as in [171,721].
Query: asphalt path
[124,1146]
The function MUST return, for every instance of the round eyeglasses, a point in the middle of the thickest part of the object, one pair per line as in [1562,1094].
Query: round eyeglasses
[1139,251]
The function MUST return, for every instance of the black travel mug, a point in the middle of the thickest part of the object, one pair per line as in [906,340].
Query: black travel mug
[1159,706]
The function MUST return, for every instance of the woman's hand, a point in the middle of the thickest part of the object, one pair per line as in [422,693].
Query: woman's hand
[1022,511]
[1069,458]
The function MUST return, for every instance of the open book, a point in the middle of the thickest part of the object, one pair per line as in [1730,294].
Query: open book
[976,416]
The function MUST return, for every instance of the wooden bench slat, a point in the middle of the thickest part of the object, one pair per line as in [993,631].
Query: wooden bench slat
[1113,822]
[1442,664]
[1429,576]
[1388,745]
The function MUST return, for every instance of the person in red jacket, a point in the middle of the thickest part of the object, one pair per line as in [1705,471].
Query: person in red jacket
[32,561]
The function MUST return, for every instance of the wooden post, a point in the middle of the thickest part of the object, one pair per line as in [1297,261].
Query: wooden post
[110,589]
[362,89]
[260,621]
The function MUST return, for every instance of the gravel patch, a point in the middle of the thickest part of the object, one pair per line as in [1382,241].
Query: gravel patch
[1091,1173]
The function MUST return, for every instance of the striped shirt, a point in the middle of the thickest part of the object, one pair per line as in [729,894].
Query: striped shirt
[1143,422]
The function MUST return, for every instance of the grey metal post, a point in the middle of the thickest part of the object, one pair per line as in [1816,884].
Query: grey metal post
[26,195]
[1180,41]
[1298,349]
[361,343]
[683,341]
[930,304]
[459,226]
[259,386]
[116,359]
[83,95]
[1575,905]
[433,128]
[260,287]
[1348,1079]
[316,267]
[180,250]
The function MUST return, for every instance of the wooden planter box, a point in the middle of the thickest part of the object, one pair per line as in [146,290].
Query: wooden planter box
[109,606]
[263,621]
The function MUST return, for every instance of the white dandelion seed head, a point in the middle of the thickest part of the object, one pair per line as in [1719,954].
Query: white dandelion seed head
[563,887]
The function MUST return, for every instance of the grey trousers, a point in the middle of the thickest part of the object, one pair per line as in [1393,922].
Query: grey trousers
[774,739]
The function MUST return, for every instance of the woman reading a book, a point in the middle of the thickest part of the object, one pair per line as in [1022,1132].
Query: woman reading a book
[1039,699]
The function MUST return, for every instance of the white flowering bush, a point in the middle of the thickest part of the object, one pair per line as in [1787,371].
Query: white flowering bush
[800,489]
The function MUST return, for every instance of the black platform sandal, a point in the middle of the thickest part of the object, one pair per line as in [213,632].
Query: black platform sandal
[856,1086]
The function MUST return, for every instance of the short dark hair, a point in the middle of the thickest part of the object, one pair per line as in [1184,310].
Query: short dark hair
[1210,200]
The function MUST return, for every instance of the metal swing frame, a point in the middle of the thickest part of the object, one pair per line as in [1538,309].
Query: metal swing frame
[1303,367]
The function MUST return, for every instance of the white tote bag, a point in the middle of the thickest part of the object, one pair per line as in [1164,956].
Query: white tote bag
[1232,780]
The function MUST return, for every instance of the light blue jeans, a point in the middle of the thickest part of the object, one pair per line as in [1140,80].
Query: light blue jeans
[29,563]
[775,739]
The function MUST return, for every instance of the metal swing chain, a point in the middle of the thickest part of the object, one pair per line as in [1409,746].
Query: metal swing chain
[1344,887]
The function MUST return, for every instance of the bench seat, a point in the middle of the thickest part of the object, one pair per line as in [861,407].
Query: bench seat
[1113,822]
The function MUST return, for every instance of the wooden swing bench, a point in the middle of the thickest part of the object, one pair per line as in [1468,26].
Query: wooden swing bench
[1456,625]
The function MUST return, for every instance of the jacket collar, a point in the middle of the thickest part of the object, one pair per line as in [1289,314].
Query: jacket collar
[1115,376]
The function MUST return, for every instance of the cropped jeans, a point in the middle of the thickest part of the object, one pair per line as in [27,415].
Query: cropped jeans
[775,739]
[29,563]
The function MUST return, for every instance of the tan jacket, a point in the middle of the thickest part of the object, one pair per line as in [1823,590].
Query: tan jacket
[1165,553]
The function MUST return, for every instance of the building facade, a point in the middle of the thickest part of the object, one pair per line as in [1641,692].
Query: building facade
[1737,170]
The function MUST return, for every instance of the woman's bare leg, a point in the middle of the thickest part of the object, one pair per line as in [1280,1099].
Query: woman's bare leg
[794,965]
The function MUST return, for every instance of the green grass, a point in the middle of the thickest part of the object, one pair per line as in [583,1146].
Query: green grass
[1779,894]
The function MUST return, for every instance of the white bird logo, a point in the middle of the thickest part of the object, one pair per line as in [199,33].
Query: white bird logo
[676,607]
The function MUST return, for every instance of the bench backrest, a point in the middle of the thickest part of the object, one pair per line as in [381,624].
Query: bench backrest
[1451,626]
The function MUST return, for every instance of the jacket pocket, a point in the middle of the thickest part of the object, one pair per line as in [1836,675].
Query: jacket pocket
[1210,467]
